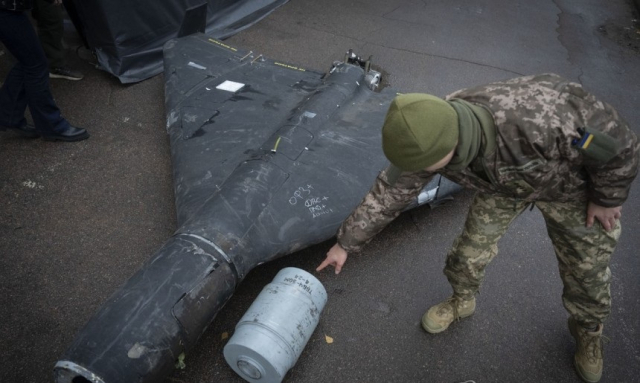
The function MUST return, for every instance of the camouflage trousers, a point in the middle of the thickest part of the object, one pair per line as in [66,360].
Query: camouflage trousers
[583,253]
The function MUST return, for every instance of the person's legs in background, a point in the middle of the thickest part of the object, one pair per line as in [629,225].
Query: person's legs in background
[28,83]
[49,19]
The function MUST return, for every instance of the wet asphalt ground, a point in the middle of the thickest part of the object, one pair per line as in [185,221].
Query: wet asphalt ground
[78,219]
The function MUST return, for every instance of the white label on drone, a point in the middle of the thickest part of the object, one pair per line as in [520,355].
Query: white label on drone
[230,86]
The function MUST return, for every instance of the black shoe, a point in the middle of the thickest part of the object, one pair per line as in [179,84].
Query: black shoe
[65,73]
[70,134]
[26,131]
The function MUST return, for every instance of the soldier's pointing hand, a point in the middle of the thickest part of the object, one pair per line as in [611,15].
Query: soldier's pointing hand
[336,257]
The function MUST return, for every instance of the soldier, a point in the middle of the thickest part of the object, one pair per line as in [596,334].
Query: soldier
[536,140]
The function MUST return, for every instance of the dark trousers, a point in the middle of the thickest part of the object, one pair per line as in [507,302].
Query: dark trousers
[50,31]
[27,84]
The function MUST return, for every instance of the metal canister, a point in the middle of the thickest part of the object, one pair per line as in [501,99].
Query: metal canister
[273,332]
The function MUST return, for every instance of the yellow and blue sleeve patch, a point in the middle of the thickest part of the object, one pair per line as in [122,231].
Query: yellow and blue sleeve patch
[585,141]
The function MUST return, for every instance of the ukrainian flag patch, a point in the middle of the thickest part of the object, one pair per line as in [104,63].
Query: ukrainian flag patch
[585,141]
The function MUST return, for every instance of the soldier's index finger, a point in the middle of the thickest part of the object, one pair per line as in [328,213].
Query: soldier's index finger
[323,265]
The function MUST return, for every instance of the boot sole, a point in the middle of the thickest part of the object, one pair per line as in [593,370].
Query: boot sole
[67,139]
[575,364]
[65,77]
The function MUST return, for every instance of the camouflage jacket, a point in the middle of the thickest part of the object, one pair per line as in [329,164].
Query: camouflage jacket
[535,157]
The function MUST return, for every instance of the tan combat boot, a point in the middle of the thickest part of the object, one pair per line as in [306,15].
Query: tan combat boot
[440,316]
[589,356]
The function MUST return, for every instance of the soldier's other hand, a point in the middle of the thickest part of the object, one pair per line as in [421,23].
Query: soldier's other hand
[336,257]
[608,216]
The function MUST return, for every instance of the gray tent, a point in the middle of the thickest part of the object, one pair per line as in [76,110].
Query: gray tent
[127,36]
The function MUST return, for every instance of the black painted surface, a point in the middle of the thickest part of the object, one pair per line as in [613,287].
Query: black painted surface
[259,172]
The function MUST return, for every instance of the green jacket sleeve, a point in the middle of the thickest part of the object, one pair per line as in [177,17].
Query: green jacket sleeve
[612,155]
[388,197]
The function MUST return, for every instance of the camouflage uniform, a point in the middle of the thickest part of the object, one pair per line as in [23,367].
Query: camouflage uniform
[531,159]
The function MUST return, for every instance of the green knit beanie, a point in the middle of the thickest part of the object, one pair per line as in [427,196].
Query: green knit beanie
[419,130]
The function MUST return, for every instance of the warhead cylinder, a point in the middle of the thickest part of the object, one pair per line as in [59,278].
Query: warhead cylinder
[273,332]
